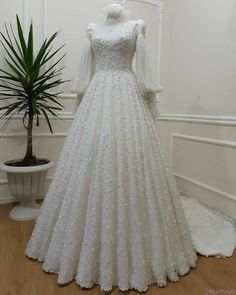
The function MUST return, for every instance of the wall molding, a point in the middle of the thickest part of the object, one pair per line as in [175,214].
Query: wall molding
[63,115]
[157,3]
[35,135]
[199,119]
[68,96]
[225,143]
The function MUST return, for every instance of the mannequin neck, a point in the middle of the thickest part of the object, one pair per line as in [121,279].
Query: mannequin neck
[115,14]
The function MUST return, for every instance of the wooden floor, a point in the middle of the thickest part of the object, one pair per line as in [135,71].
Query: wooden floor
[20,275]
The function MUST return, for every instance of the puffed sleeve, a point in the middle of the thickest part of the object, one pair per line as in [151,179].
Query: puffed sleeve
[147,82]
[86,64]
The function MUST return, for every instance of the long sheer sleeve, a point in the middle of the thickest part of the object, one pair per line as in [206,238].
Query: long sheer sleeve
[86,65]
[148,83]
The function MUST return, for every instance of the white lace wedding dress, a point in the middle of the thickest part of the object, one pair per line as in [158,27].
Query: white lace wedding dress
[113,214]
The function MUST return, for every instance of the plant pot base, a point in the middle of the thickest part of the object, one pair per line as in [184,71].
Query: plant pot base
[26,210]
[26,184]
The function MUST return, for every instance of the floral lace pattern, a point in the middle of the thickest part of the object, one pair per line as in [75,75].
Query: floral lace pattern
[113,214]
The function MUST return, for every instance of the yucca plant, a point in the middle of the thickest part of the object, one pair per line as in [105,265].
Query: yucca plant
[27,86]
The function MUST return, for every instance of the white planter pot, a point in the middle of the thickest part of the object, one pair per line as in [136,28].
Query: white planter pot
[26,184]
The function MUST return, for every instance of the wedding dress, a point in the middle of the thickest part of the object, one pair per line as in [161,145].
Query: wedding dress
[113,213]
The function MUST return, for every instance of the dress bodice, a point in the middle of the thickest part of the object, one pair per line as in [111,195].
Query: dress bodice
[110,49]
[114,44]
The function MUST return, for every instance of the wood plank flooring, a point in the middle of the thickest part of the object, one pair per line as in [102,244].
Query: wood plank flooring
[20,275]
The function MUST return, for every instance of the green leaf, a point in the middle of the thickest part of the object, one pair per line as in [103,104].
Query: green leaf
[10,75]
[45,79]
[42,51]
[11,47]
[36,65]
[47,52]
[13,89]
[20,65]
[21,37]
[23,107]
[48,107]
[50,74]
[30,47]
[51,56]
[7,87]
[9,37]
[52,99]
[7,122]
[48,86]
[17,43]
[47,119]
[10,108]
[9,78]
[53,66]
[9,83]
[13,68]
[8,94]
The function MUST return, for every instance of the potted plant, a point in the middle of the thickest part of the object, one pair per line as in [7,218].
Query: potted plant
[27,88]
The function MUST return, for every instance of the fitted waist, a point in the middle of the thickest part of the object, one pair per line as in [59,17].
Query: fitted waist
[113,66]
[123,73]
[114,71]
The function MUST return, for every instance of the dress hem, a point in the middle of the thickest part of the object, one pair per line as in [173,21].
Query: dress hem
[93,284]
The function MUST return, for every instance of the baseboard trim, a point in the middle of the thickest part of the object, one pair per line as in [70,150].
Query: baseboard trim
[205,186]
[215,198]
[8,200]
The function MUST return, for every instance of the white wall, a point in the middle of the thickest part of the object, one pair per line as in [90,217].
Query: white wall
[200,52]
[72,18]
[198,106]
